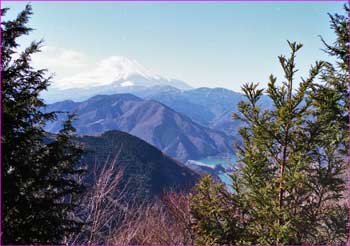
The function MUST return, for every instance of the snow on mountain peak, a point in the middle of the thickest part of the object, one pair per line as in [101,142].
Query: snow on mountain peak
[107,71]
[127,83]
[123,68]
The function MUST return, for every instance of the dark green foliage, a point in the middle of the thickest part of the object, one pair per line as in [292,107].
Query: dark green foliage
[36,178]
[216,216]
[331,109]
[289,187]
[333,95]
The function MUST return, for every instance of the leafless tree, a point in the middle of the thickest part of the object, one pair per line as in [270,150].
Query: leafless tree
[165,221]
[102,207]
[110,217]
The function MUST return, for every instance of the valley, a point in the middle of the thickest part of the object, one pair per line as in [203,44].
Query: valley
[192,125]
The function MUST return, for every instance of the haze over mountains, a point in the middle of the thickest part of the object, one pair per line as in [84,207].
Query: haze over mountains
[210,107]
[185,123]
[117,75]
[175,134]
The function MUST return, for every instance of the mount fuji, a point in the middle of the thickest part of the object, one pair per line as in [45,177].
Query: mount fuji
[114,75]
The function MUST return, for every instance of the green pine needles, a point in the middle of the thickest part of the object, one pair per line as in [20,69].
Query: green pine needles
[289,187]
[289,182]
[39,176]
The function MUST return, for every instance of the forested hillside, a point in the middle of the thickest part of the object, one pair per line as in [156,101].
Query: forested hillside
[147,172]
[175,134]
[107,169]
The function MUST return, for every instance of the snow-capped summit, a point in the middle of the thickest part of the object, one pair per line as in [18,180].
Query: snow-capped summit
[113,75]
[124,68]
[117,71]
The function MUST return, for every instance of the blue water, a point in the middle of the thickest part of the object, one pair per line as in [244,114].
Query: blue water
[226,179]
[227,162]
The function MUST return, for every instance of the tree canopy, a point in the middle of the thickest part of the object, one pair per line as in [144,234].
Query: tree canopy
[38,176]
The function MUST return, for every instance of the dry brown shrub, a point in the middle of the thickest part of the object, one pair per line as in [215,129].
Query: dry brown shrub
[166,221]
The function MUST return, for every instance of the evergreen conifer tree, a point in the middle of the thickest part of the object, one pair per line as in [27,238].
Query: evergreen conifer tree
[38,174]
[331,110]
[289,186]
[216,216]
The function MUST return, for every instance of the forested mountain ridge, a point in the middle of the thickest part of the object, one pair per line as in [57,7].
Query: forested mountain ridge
[147,172]
[175,134]
[210,107]
[288,184]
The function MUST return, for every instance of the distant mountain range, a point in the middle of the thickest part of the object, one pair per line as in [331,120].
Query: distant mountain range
[118,75]
[147,172]
[172,132]
[185,123]
[210,107]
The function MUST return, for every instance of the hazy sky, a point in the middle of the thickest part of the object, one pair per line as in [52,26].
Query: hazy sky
[205,44]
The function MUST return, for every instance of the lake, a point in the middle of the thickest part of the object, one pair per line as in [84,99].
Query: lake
[226,162]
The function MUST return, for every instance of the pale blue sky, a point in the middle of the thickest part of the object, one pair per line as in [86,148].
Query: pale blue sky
[205,44]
